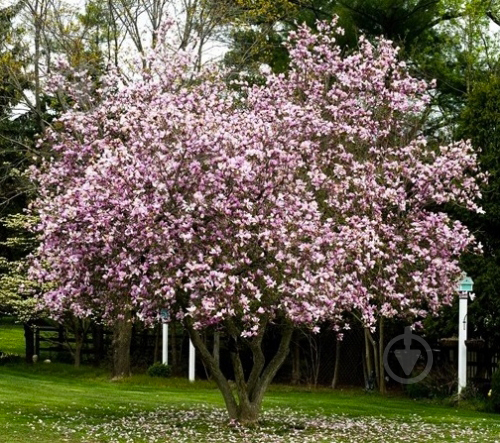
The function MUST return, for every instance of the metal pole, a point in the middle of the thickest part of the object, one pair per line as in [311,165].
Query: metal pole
[462,337]
[192,357]
[165,344]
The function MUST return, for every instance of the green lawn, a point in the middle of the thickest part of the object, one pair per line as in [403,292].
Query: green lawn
[11,336]
[56,403]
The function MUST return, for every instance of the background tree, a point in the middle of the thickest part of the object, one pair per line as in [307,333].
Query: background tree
[16,131]
[479,122]
[26,108]
[260,29]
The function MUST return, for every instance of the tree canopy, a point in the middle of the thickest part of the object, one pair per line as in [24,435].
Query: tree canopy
[287,203]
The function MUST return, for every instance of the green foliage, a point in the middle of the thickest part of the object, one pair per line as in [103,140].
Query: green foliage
[159,370]
[260,28]
[12,59]
[14,132]
[16,289]
[480,122]
[16,154]
[402,21]
[22,240]
[95,27]
[495,391]
[251,48]
[471,392]
[417,390]
[440,383]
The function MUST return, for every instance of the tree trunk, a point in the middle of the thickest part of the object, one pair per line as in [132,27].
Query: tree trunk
[122,337]
[251,391]
[337,364]
[365,369]
[220,379]
[245,407]
[216,349]
[158,332]
[296,375]
[376,363]
[368,355]
[98,343]
[29,341]
[79,338]
[314,358]
[78,352]
[381,357]
[248,413]
[80,328]
[39,12]
[215,354]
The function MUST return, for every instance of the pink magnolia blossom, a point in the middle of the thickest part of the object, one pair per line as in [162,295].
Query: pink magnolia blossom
[312,195]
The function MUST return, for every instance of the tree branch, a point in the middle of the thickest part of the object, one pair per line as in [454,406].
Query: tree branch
[274,364]
[214,369]
[259,359]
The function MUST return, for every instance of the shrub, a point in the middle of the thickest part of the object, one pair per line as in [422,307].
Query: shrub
[471,398]
[6,357]
[495,390]
[159,370]
[417,390]
[440,383]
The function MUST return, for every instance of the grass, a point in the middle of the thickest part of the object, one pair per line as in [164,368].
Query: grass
[58,403]
[11,336]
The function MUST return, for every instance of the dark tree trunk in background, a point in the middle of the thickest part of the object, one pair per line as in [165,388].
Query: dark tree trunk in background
[80,333]
[30,342]
[296,375]
[98,343]
[335,380]
[381,357]
[368,355]
[122,337]
[158,333]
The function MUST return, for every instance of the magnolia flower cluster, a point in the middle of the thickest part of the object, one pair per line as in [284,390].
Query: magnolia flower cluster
[304,198]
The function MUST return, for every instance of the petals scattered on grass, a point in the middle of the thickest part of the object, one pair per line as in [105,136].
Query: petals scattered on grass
[211,425]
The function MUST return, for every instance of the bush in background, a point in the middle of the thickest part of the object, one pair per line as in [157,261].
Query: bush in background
[6,357]
[159,370]
[495,391]
[440,383]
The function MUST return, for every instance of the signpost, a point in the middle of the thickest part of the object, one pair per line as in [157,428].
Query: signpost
[464,288]
[164,354]
[192,358]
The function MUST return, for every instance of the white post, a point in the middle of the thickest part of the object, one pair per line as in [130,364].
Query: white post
[165,344]
[462,337]
[192,356]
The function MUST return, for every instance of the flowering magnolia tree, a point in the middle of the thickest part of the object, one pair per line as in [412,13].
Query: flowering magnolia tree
[283,204]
